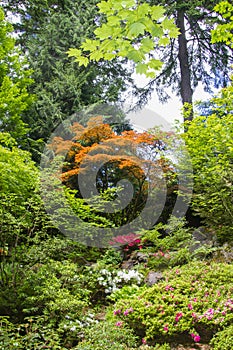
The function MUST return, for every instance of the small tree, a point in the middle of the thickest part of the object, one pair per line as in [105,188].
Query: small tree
[125,168]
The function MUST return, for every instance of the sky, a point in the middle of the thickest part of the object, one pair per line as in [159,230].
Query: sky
[157,114]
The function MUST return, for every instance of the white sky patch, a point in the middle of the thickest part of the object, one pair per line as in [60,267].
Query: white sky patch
[164,113]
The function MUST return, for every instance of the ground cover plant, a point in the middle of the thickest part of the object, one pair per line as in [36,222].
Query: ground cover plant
[167,287]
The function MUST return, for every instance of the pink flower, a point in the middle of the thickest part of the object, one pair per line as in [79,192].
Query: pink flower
[178,316]
[165,328]
[169,288]
[190,306]
[117,312]
[119,323]
[143,341]
[126,312]
[197,338]
[177,272]
[210,311]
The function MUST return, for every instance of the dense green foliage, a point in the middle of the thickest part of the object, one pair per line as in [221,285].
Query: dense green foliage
[46,31]
[190,300]
[168,287]
[209,141]
[223,32]
[14,82]
[123,35]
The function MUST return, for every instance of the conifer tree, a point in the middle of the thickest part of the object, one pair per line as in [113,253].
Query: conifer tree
[45,32]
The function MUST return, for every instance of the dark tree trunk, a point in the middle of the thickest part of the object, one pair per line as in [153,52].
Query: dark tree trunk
[185,85]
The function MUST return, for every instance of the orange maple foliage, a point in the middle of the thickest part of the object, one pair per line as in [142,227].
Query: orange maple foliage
[96,149]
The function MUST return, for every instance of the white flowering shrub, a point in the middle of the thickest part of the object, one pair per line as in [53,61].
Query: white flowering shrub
[114,280]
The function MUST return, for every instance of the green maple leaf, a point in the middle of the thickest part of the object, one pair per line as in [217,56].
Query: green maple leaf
[135,55]
[143,10]
[103,32]
[90,45]
[96,56]
[155,64]
[157,12]
[104,6]
[109,56]
[136,28]
[82,61]
[164,41]
[156,31]
[74,53]
[147,45]
[141,68]
[113,20]
[151,74]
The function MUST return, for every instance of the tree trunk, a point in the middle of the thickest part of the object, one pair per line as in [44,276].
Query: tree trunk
[185,85]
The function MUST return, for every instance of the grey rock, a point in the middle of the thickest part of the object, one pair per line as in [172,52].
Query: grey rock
[153,278]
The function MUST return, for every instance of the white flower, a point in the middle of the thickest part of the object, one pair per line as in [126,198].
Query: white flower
[100,279]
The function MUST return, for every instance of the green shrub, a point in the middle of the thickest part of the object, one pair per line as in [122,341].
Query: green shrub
[171,244]
[193,300]
[36,334]
[108,336]
[223,339]
[209,142]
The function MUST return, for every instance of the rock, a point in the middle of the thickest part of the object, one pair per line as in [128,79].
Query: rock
[141,257]
[201,238]
[135,258]
[153,278]
[224,253]
[128,264]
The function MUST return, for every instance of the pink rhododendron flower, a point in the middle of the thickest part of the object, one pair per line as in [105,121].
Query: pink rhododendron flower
[165,328]
[190,306]
[119,323]
[178,316]
[117,312]
[197,338]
